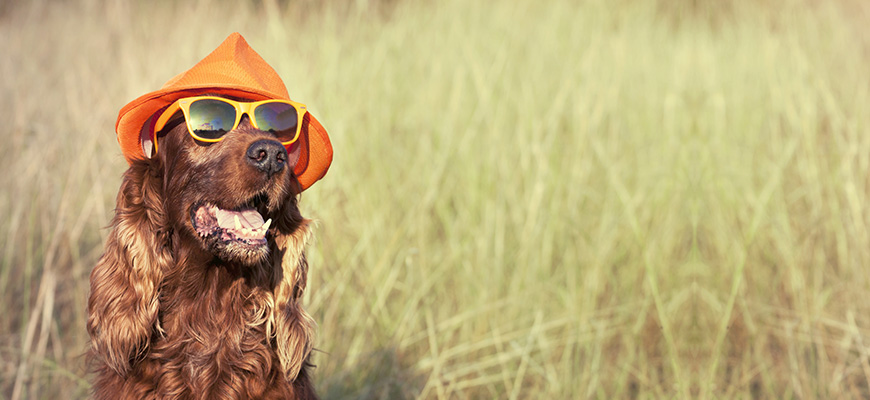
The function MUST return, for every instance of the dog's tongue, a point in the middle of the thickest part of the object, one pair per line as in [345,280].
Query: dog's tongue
[249,219]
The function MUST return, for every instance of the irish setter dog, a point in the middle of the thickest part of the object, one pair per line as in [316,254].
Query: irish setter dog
[197,293]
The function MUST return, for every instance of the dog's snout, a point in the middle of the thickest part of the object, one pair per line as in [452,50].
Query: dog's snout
[267,156]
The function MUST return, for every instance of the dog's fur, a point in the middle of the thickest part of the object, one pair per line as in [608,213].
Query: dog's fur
[173,314]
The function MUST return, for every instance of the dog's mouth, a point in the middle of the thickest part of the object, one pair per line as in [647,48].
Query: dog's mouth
[244,225]
[239,232]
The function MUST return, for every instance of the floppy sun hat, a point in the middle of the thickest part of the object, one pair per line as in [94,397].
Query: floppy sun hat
[233,69]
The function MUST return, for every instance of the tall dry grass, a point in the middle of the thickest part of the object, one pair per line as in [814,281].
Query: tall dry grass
[528,200]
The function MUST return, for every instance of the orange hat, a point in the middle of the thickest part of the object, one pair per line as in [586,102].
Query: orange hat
[233,69]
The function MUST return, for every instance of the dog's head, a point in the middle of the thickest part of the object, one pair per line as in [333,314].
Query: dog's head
[230,196]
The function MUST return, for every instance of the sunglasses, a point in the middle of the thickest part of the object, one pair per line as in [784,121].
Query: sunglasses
[209,118]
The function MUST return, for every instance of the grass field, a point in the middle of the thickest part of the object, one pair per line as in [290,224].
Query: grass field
[555,200]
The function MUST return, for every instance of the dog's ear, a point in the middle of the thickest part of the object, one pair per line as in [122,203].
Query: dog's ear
[123,302]
[294,153]
[293,327]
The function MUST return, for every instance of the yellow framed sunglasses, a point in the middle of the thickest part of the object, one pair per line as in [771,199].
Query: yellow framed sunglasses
[210,118]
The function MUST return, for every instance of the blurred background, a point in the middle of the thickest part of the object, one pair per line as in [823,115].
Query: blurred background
[561,199]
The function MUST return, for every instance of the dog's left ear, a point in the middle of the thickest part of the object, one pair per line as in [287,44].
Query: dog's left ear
[123,303]
[293,327]
[293,154]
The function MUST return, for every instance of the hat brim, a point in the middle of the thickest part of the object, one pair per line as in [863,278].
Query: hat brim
[316,150]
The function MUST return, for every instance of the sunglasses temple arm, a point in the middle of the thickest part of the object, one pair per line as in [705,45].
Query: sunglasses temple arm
[164,118]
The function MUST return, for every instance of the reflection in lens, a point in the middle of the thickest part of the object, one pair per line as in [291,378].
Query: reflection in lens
[211,119]
[279,118]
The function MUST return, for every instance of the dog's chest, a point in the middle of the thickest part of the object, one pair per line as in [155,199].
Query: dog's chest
[220,338]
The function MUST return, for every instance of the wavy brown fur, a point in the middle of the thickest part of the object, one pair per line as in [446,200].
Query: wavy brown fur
[172,317]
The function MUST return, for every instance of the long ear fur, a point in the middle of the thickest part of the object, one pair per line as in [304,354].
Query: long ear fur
[294,328]
[123,302]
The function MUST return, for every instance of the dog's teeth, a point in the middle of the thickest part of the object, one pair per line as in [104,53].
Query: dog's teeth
[265,226]
[238,223]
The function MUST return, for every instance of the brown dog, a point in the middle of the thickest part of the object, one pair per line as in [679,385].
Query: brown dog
[182,308]
[197,293]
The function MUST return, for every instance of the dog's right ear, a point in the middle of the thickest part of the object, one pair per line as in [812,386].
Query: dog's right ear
[290,325]
[123,302]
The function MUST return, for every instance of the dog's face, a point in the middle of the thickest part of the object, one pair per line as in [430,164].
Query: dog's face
[229,195]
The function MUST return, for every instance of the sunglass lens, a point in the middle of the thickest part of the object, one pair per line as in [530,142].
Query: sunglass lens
[279,118]
[211,119]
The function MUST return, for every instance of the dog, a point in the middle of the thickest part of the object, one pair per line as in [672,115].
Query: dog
[197,295]
[178,307]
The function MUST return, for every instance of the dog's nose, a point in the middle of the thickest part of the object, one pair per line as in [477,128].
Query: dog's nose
[267,156]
